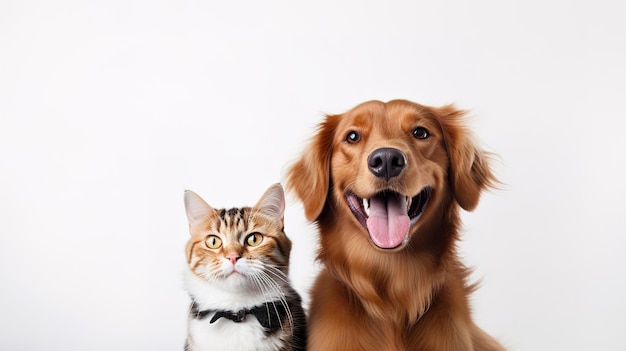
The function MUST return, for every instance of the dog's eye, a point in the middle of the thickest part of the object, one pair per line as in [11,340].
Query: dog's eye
[420,133]
[353,137]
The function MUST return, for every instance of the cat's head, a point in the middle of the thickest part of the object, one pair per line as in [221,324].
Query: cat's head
[239,246]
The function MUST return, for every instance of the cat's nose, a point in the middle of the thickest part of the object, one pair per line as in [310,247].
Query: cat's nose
[233,258]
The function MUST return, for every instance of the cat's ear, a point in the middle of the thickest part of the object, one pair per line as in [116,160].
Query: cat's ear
[273,202]
[197,209]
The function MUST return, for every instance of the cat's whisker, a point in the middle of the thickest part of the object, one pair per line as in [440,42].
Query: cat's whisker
[273,290]
[266,284]
[271,284]
[276,310]
[282,297]
[276,272]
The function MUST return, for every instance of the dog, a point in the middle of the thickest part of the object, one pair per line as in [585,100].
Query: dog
[384,183]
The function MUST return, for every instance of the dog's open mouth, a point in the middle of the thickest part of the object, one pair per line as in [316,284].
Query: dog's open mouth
[388,215]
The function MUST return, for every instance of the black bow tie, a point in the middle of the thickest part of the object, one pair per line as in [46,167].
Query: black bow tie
[269,314]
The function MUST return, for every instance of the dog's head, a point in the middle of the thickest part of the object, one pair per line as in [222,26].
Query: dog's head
[392,165]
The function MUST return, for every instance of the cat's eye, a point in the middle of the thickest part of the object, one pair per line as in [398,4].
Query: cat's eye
[213,242]
[254,239]
[420,133]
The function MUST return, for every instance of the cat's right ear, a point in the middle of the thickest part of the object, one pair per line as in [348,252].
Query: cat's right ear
[273,202]
[197,209]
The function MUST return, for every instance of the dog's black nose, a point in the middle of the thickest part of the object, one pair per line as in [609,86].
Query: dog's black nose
[386,162]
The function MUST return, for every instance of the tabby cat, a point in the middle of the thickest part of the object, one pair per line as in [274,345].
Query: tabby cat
[237,278]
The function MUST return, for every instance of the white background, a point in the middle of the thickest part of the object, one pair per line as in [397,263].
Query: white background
[110,109]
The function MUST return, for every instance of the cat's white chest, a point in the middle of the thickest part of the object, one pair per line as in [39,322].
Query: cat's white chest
[225,334]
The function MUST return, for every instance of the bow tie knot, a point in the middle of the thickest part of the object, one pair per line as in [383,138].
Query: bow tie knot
[236,317]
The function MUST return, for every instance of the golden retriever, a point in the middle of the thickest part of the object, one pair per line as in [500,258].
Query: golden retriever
[385,182]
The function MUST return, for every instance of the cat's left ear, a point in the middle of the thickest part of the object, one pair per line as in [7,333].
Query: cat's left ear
[273,202]
[197,209]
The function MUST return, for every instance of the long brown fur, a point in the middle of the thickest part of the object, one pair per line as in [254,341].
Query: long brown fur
[414,297]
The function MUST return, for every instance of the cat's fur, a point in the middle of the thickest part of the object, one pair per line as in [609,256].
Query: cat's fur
[232,269]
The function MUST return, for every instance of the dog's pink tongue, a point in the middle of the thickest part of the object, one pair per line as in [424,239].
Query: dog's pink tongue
[388,222]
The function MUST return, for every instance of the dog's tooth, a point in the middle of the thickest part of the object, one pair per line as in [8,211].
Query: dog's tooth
[366,206]
[409,200]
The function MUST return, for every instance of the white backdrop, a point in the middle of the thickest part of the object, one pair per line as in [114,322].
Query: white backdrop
[110,109]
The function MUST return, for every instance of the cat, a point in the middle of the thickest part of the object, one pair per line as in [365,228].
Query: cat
[237,278]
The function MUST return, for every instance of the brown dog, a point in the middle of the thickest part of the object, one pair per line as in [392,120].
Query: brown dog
[384,182]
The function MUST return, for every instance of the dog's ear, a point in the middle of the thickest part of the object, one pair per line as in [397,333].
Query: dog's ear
[470,172]
[309,177]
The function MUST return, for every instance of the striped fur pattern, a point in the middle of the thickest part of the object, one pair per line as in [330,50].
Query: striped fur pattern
[238,260]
